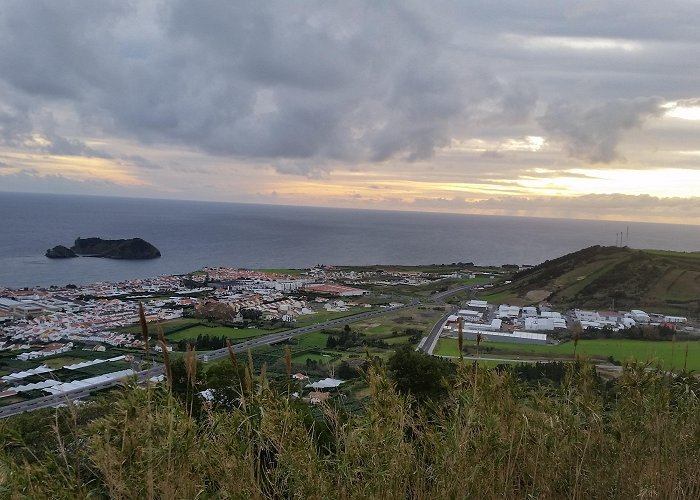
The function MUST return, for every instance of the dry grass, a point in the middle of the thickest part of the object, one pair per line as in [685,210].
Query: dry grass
[492,437]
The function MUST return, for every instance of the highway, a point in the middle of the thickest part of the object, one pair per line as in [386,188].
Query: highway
[58,399]
[288,334]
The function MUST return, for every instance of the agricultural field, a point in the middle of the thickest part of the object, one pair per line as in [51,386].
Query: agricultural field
[219,331]
[61,361]
[8,363]
[671,355]
[323,315]
[168,327]
[658,281]
[504,297]
[421,319]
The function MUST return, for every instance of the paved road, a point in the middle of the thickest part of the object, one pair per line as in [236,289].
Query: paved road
[432,338]
[58,399]
[288,334]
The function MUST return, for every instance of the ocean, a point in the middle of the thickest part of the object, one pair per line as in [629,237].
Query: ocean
[191,235]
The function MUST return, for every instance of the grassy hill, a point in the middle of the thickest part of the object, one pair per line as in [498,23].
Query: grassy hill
[656,280]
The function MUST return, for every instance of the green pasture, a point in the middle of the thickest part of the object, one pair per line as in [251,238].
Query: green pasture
[504,297]
[314,339]
[301,358]
[61,361]
[671,355]
[219,331]
[397,340]
[323,315]
[167,326]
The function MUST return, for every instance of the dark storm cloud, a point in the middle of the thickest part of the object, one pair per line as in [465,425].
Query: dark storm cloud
[71,147]
[593,134]
[365,81]
[304,83]
[141,162]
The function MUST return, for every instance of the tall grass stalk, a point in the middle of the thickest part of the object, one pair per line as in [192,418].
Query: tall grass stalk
[639,438]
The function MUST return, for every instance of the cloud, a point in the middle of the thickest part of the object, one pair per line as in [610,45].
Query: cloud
[303,168]
[593,134]
[366,82]
[141,162]
[311,87]
[591,206]
[63,146]
[32,181]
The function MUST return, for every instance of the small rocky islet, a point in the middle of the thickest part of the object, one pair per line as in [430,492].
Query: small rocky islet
[126,249]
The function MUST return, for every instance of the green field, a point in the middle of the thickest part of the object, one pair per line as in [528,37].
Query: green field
[219,331]
[167,326]
[506,297]
[654,280]
[669,354]
[382,327]
[301,358]
[315,339]
[397,340]
[62,361]
[323,315]
[9,400]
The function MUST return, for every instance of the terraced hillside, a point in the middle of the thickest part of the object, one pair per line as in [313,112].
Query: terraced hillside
[656,280]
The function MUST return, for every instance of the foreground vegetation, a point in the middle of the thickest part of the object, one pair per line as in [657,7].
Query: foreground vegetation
[429,429]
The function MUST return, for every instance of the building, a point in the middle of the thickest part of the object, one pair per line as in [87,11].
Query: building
[515,337]
[640,316]
[470,315]
[587,316]
[339,290]
[49,350]
[539,324]
[477,304]
[20,309]
[675,319]
[529,312]
[507,311]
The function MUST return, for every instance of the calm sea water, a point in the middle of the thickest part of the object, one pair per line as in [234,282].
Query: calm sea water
[191,235]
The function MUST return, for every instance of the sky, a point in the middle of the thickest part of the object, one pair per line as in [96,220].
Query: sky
[538,108]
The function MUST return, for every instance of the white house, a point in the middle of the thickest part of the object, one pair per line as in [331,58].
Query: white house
[640,316]
[588,316]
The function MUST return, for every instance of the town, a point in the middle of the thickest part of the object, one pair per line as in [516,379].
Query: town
[55,340]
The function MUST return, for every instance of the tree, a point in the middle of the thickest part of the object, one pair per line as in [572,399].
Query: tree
[345,371]
[251,314]
[426,377]
[227,383]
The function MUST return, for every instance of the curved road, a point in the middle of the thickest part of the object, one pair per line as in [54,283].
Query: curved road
[430,341]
